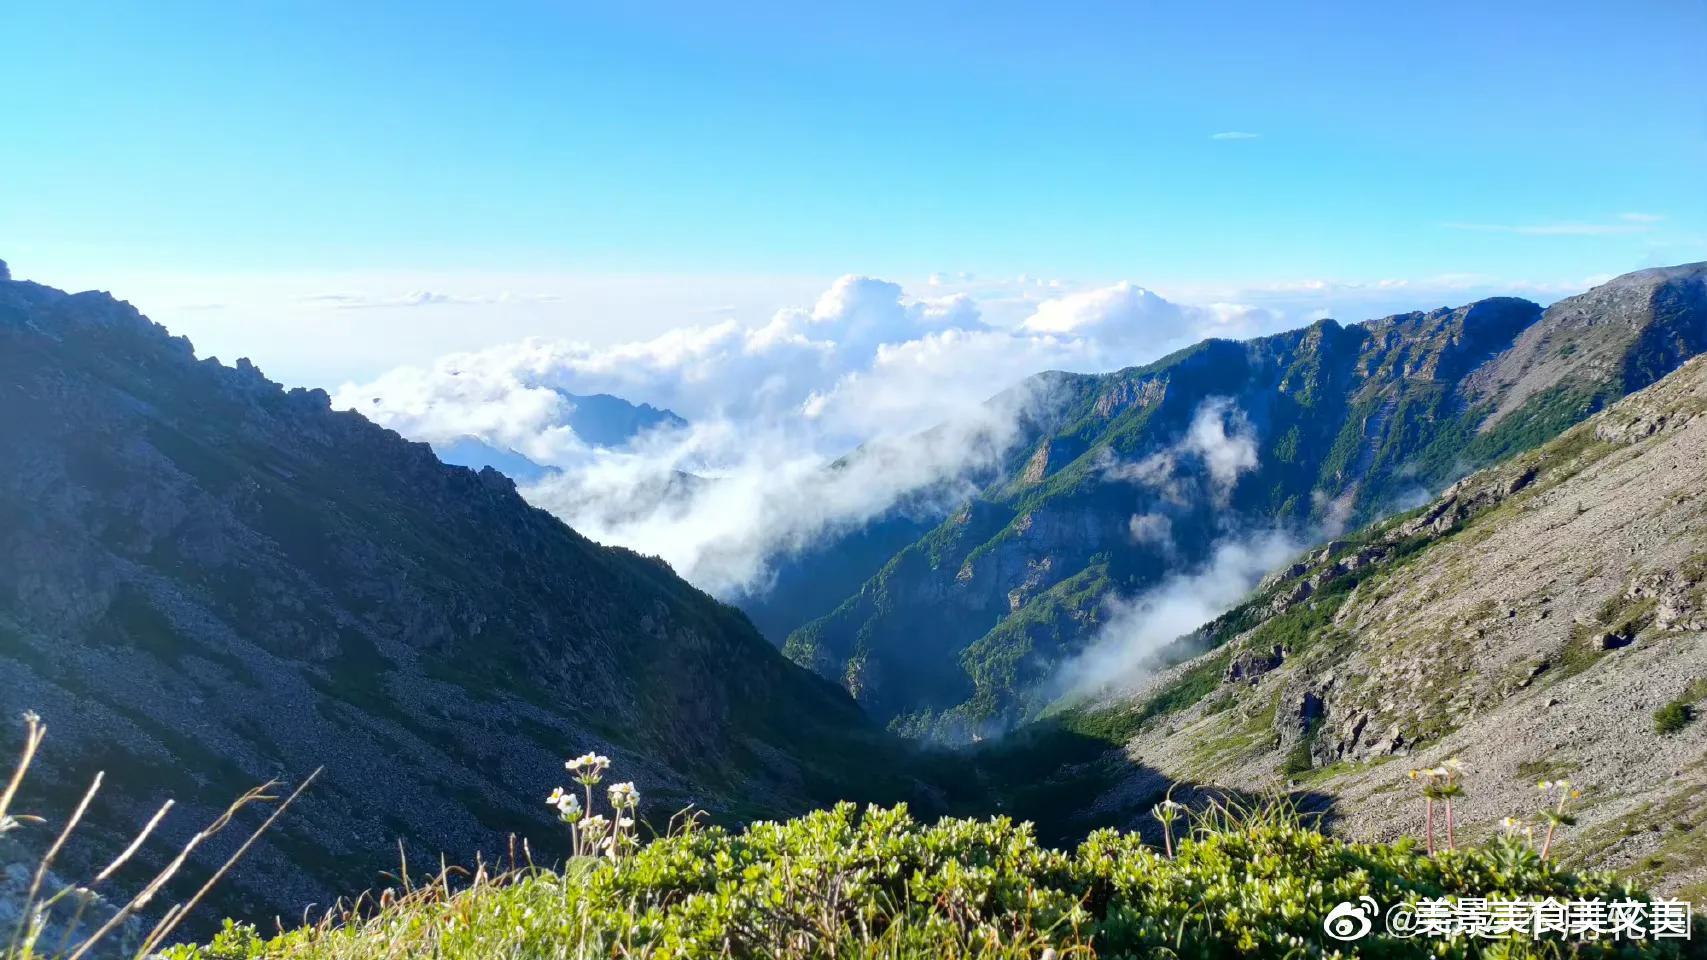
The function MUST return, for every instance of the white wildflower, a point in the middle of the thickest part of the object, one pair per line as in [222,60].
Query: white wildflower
[569,808]
[588,768]
[623,796]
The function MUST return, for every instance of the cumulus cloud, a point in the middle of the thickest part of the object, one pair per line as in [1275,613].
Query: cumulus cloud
[1124,651]
[773,409]
[1110,314]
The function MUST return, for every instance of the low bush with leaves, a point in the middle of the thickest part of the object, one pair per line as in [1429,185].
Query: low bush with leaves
[1673,717]
[1677,714]
[877,883]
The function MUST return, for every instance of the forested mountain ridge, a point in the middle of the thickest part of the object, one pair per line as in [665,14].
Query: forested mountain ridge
[1150,469]
[1543,619]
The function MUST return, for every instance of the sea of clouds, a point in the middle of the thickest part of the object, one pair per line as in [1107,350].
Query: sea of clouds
[923,391]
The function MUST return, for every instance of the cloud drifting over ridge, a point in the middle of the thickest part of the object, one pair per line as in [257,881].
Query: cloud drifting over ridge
[772,405]
[1220,437]
[1123,652]
[1222,441]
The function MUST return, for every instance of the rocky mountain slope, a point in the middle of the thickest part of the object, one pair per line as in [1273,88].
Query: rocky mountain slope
[1539,620]
[207,581]
[1148,470]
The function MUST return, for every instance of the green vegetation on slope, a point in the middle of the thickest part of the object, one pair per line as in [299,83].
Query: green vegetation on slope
[877,883]
[956,636]
[1679,713]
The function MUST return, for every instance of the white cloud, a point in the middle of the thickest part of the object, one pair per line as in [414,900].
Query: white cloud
[421,298]
[1155,529]
[1220,437]
[765,493]
[1235,135]
[304,329]
[1641,217]
[1123,651]
[772,405]
[1116,312]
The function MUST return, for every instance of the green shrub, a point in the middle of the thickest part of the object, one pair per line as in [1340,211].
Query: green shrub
[1300,759]
[1673,717]
[877,883]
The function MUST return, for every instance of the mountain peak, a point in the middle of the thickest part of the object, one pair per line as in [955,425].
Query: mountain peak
[609,421]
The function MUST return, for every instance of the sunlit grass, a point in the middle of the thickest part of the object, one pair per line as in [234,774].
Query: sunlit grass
[68,921]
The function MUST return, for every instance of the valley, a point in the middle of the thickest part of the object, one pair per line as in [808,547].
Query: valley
[191,552]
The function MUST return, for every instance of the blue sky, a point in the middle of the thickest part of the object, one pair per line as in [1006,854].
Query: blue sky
[756,149]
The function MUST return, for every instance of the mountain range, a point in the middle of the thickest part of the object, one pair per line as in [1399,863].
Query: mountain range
[208,581]
[964,629]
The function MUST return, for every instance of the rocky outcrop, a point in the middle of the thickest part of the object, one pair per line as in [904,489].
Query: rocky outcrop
[1248,665]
